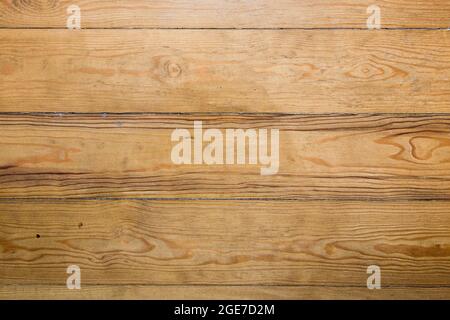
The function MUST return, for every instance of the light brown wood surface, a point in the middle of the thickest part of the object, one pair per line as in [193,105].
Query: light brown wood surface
[321,157]
[86,175]
[321,244]
[299,71]
[208,292]
[225,14]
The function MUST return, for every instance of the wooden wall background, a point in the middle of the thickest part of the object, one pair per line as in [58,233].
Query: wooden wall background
[85,170]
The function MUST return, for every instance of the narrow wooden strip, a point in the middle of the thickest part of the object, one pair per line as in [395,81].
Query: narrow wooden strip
[377,157]
[139,292]
[225,14]
[224,71]
[328,244]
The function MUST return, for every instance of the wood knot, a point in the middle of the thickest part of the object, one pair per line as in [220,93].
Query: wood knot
[426,148]
[172,69]
[366,71]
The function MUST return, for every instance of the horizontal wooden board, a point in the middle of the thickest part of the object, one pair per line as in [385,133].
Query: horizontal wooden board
[225,13]
[208,292]
[247,243]
[378,157]
[298,71]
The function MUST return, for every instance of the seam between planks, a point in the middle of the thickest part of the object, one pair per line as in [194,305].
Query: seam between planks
[233,285]
[226,28]
[56,114]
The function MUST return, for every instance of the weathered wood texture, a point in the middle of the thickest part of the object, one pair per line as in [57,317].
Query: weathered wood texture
[321,245]
[377,157]
[225,13]
[208,292]
[86,175]
[225,71]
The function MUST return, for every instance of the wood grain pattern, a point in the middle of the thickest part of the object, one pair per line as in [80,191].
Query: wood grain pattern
[86,175]
[222,292]
[323,245]
[224,71]
[225,14]
[375,157]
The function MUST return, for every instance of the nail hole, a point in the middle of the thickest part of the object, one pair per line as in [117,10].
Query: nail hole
[38,236]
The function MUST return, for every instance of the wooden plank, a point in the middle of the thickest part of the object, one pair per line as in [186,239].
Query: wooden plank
[325,244]
[378,157]
[225,14]
[139,292]
[225,71]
